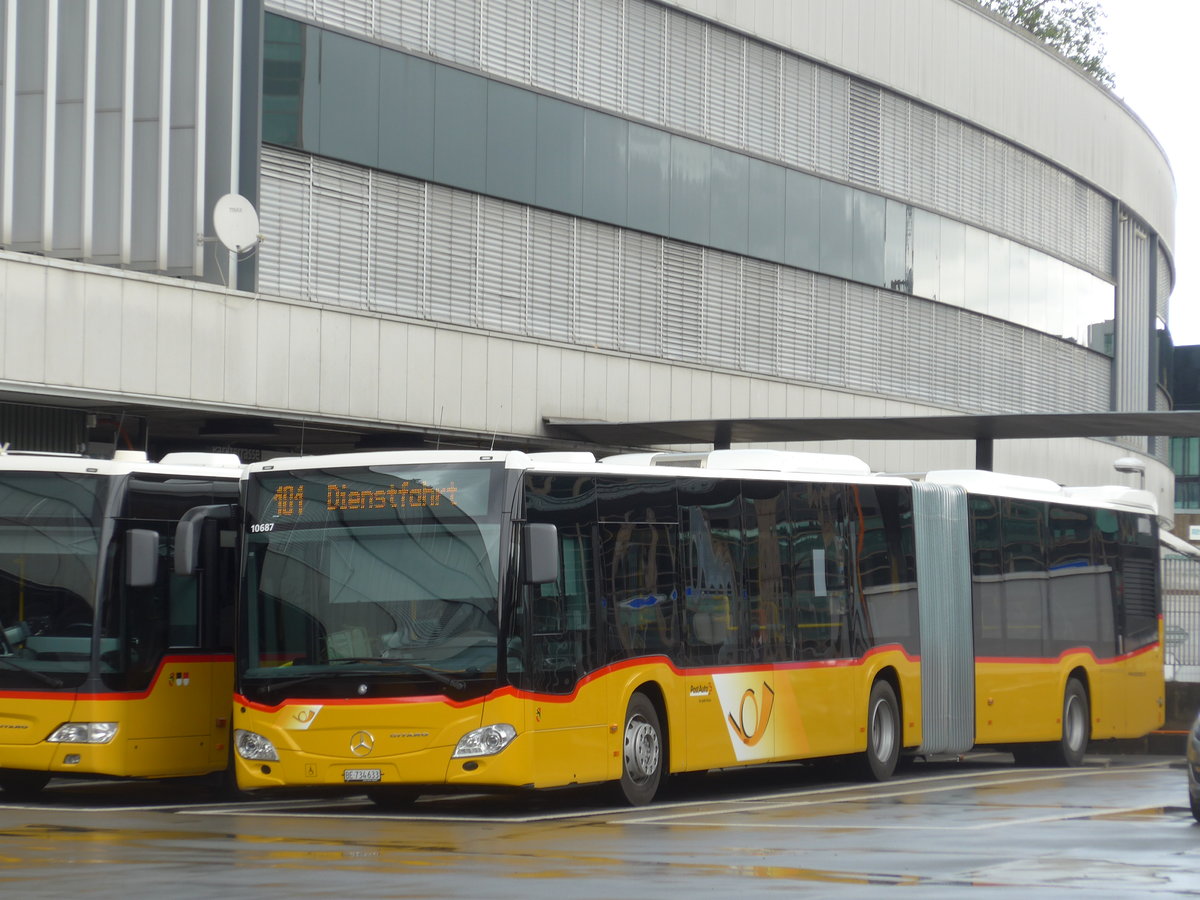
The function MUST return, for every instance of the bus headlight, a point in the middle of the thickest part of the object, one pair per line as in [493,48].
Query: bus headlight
[83,733]
[254,746]
[486,741]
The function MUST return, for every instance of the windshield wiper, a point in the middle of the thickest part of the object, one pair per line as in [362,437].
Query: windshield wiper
[436,674]
[48,680]
[386,664]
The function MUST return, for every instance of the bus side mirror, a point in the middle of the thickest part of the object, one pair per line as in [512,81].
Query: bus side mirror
[141,557]
[540,553]
[187,535]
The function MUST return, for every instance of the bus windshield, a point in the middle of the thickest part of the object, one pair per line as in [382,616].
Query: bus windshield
[49,540]
[386,570]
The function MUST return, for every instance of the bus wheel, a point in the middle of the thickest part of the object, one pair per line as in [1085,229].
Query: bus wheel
[1076,727]
[642,754]
[394,798]
[23,785]
[883,733]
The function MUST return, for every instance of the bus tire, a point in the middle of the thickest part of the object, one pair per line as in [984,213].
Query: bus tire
[1076,728]
[21,785]
[642,759]
[883,733]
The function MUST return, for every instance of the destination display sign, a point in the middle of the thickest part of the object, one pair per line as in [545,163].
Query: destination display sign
[376,494]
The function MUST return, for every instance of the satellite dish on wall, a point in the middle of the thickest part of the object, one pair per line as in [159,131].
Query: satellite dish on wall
[236,223]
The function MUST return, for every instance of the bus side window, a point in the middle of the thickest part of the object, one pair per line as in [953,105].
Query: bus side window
[818,605]
[552,638]
[1023,533]
[987,585]
[711,563]
[558,646]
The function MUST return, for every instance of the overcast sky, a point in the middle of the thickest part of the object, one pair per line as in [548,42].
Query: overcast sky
[1152,52]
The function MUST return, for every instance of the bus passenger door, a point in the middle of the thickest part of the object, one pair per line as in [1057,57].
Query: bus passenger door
[555,650]
[168,638]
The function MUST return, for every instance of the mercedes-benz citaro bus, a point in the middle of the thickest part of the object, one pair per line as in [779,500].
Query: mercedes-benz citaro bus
[418,622]
[110,664]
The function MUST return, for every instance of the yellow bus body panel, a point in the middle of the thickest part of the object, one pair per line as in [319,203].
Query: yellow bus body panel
[1019,701]
[714,718]
[178,726]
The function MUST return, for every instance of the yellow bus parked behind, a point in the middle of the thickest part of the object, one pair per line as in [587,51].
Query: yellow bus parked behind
[110,664]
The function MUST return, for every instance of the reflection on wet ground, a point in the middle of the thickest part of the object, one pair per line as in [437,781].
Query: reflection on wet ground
[1114,828]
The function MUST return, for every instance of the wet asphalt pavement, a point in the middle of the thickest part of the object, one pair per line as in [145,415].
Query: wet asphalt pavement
[1119,827]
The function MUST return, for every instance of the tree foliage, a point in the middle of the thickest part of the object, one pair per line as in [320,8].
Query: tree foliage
[1072,27]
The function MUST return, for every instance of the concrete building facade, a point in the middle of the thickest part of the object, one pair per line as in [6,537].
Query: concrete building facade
[477,213]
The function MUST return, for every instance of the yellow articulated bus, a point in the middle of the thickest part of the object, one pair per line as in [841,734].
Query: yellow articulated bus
[110,664]
[418,622]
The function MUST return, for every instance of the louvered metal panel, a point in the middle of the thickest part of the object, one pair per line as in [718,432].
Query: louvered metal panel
[892,343]
[602,53]
[599,286]
[973,172]
[285,197]
[946,372]
[685,101]
[1132,387]
[923,175]
[833,124]
[830,331]
[798,113]
[726,78]
[505,291]
[556,46]
[683,288]
[794,313]
[1164,281]
[719,312]
[641,321]
[895,146]
[861,370]
[645,58]
[454,30]
[971,351]
[947,644]
[761,332]
[865,133]
[340,203]
[404,23]
[508,40]
[1100,221]
[453,253]
[1014,189]
[398,246]
[947,193]
[552,271]
[764,66]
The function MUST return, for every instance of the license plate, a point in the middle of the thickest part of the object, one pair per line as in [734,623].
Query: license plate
[362,775]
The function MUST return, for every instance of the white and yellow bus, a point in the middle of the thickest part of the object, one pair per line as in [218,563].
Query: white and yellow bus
[111,664]
[431,621]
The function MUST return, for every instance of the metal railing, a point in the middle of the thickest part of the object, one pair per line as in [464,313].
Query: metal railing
[1181,617]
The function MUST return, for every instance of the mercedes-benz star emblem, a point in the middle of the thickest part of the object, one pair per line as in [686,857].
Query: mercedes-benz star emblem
[361,743]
